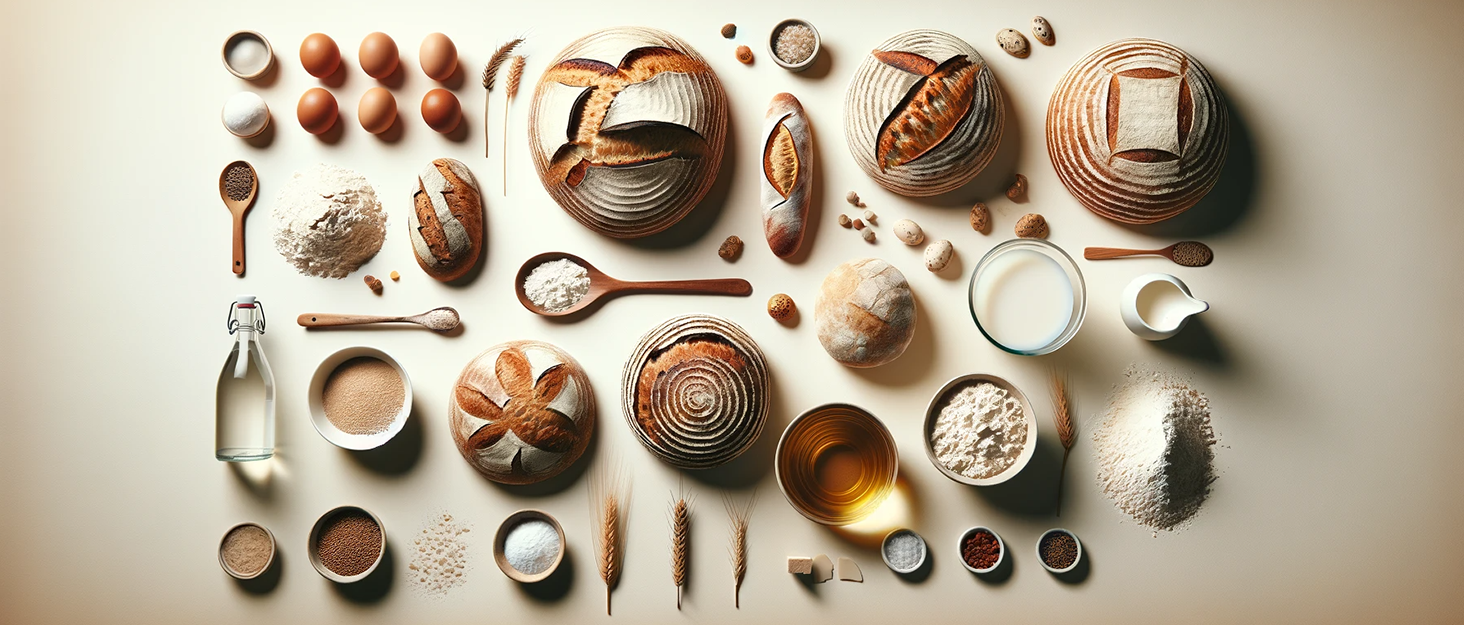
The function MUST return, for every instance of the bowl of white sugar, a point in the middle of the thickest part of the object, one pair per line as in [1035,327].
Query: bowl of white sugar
[980,430]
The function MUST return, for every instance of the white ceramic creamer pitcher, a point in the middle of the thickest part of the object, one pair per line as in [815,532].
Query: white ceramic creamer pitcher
[1156,306]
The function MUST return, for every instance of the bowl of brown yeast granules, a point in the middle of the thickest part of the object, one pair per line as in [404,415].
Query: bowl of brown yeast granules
[346,544]
[360,398]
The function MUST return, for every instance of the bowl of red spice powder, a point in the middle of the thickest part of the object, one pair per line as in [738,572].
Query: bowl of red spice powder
[981,550]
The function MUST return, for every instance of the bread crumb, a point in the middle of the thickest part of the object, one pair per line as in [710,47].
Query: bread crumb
[730,249]
[799,565]
[395,276]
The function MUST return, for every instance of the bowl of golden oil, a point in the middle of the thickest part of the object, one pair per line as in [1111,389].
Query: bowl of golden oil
[836,464]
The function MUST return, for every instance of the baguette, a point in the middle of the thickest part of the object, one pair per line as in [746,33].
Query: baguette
[787,164]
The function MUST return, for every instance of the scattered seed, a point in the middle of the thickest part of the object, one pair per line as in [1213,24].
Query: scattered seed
[980,217]
[729,30]
[1018,188]
[730,248]
[395,276]
[1032,226]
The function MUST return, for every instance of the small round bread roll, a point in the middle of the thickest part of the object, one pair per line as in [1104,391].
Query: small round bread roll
[865,313]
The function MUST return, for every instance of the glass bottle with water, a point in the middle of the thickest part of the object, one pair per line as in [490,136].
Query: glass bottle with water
[244,415]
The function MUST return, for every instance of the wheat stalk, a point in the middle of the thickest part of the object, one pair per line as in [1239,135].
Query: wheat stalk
[490,75]
[680,545]
[1062,415]
[738,517]
[515,76]
[606,496]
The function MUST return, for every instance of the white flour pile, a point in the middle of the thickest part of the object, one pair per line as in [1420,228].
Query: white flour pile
[1155,449]
[980,431]
[557,284]
[440,556]
[327,221]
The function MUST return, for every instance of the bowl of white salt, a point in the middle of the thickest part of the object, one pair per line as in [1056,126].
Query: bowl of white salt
[980,430]
[529,546]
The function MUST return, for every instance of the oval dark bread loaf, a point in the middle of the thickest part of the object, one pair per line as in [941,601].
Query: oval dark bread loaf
[787,163]
[446,220]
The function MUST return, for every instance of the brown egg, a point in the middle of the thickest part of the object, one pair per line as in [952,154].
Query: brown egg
[377,111]
[378,55]
[438,57]
[441,111]
[317,111]
[319,55]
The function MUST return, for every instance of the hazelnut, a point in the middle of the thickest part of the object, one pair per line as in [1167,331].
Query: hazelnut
[980,217]
[845,221]
[853,198]
[729,30]
[869,216]
[868,235]
[374,284]
[1032,226]
[730,248]
[1018,188]
[744,55]
[781,307]
[858,224]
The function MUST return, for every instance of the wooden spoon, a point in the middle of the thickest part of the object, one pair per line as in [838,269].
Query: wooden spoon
[603,286]
[239,208]
[1186,253]
[443,319]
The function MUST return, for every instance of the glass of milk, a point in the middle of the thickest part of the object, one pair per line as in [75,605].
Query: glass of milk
[1027,297]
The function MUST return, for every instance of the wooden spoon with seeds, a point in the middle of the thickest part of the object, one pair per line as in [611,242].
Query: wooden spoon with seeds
[603,286]
[1186,253]
[238,203]
[444,319]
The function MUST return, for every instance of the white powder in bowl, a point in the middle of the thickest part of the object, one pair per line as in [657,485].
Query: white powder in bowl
[980,431]
[556,285]
[531,546]
[328,222]
[1155,449]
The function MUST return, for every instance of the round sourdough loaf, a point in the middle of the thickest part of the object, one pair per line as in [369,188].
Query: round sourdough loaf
[522,412]
[1137,131]
[626,130]
[865,313]
[923,114]
[446,220]
[695,391]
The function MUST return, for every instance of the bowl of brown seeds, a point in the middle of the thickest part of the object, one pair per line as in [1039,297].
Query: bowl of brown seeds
[1059,550]
[346,544]
[360,398]
[247,550]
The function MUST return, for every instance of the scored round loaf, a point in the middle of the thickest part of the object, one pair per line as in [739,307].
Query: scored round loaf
[787,174]
[1137,131]
[522,412]
[695,391]
[626,130]
[865,313]
[446,220]
[923,114]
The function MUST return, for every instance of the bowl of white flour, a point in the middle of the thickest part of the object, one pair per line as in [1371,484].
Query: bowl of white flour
[980,430]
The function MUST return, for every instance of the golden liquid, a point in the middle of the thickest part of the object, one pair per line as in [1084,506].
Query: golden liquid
[836,464]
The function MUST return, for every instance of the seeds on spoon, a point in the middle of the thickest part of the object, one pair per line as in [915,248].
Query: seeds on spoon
[1192,254]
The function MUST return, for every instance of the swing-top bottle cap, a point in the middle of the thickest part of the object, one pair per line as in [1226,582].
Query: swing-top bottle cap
[245,299]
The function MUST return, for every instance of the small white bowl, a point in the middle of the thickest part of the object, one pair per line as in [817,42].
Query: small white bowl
[315,555]
[268,52]
[961,548]
[328,430]
[773,50]
[274,550]
[884,546]
[933,410]
[1077,542]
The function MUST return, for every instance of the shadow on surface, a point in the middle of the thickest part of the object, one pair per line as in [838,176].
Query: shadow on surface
[267,581]
[376,585]
[556,586]
[1227,203]
[398,455]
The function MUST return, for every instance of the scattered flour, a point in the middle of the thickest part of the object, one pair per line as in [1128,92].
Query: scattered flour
[327,221]
[440,556]
[1155,449]
[980,431]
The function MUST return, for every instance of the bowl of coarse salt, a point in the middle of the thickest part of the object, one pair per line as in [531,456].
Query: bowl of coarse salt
[980,430]
[360,398]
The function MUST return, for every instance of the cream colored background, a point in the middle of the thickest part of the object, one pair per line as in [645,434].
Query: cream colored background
[1331,355]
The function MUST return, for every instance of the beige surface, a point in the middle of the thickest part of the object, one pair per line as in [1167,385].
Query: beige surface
[1331,354]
